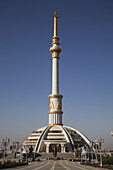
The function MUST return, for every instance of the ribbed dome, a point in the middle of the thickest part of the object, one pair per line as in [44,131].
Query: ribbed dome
[64,136]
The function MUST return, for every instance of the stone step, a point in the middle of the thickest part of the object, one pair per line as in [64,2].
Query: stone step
[60,155]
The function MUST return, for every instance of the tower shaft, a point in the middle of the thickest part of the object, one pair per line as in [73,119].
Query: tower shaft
[55,76]
[55,99]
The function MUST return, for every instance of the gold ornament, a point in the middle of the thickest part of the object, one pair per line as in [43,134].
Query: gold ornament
[59,112]
[55,96]
[59,106]
[51,105]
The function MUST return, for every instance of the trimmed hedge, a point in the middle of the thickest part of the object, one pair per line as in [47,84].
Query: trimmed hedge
[10,164]
[90,164]
[107,160]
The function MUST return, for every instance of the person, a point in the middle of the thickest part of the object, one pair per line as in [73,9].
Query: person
[55,151]
[31,152]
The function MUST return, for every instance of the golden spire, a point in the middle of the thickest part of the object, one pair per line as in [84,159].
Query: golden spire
[55,24]
[55,37]
[55,49]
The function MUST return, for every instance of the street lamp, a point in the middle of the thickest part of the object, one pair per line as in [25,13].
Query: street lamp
[15,146]
[74,152]
[87,149]
[100,143]
[92,147]
[27,151]
[5,142]
[83,153]
[96,149]
[96,152]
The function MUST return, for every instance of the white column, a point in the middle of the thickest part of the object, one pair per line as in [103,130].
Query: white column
[49,119]
[47,148]
[61,118]
[55,76]
[58,118]
[55,118]
[62,148]
[52,118]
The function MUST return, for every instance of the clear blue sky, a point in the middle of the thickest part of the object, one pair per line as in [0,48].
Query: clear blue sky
[85,28]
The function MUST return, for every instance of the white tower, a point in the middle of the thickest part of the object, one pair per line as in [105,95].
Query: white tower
[55,99]
[65,138]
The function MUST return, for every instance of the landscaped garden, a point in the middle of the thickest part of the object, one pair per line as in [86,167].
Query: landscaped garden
[107,162]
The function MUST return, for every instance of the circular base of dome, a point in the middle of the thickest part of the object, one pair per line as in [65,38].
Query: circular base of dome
[64,138]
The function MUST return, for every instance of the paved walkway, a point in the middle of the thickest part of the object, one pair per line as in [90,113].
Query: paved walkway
[55,165]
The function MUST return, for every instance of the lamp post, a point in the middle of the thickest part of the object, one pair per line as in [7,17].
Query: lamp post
[96,153]
[87,149]
[96,149]
[92,147]
[74,152]
[100,143]
[15,146]
[27,151]
[5,143]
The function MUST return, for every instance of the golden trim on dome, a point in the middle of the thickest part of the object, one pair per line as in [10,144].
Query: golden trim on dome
[54,124]
[34,135]
[55,96]
[28,142]
[55,135]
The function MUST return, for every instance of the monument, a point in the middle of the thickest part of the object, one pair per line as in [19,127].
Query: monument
[55,134]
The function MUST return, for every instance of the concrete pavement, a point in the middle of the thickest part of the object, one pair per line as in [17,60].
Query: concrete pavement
[55,165]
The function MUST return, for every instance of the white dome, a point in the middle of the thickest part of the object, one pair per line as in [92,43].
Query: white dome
[55,135]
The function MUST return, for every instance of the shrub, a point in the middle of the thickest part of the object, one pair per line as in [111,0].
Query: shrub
[90,164]
[10,164]
[107,160]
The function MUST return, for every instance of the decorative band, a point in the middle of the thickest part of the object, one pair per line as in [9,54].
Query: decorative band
[59,112]
[55,57]
[54,124]
[55,96]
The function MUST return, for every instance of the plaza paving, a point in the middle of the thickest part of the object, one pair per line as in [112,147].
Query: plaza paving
[55,165]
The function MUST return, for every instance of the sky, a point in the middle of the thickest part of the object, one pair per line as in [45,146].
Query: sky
[85,28]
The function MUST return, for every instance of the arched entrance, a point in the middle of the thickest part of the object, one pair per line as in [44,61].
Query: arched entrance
[52,146]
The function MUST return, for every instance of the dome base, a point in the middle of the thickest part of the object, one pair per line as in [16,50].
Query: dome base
[64,138]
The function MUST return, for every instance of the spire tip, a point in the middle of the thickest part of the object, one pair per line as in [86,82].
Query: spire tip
[55,14]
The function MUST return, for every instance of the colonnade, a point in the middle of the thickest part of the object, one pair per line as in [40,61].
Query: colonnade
[62,147]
